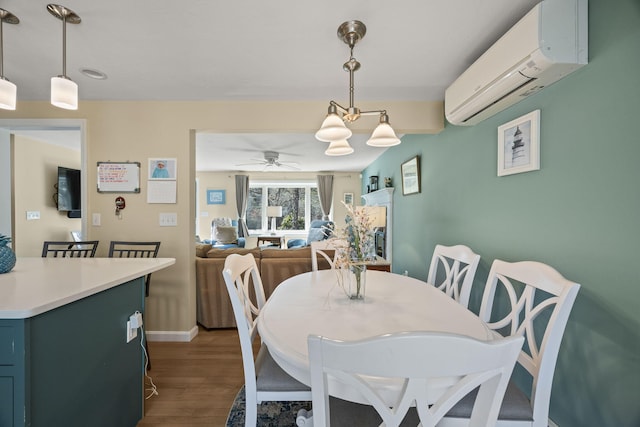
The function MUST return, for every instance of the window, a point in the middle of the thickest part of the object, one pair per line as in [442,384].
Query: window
[299,200]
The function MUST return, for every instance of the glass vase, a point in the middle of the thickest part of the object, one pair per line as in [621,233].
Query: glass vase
[357,281]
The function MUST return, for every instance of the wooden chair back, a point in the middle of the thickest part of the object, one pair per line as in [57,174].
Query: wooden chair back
[328,250]
[417,361]
[452,271]
[535,303]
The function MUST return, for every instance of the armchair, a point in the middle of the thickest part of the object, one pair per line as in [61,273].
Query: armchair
[318,230]
[224,234]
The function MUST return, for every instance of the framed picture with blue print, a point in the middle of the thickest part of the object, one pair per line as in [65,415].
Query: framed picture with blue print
[216,197]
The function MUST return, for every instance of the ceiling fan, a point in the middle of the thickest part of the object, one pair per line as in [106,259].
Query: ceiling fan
[271,160]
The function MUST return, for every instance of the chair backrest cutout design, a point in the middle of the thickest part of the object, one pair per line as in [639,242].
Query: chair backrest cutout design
[322,248]
[240,274]
[414,359]
[64,249]
[535,302]
[452,271]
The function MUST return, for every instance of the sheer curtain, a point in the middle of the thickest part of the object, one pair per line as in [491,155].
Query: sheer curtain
[325,193]
[242,193]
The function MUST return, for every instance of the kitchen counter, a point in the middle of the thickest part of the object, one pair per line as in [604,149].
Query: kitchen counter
[37,285]
[65,358]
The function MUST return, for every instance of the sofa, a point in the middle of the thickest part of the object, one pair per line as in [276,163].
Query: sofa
[213,307]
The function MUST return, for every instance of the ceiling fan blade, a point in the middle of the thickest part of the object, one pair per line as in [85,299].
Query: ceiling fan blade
[289,166]
[250,164]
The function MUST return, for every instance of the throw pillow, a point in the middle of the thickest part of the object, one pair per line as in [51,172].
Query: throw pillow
[226,234]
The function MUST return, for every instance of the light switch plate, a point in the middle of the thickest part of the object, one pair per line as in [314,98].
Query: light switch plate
[33,215]
[169,219]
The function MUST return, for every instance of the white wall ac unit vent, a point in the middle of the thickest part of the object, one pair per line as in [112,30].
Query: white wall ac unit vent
[547,44]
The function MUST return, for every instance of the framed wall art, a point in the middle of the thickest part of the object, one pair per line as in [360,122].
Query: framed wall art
[216,197]
[160,169]
[411,176]
[347,198]
[519,145]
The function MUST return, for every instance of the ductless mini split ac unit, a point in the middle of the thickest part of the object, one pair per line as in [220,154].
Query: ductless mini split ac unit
[547,44]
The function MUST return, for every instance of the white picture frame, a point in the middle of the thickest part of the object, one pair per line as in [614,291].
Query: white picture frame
[519,145]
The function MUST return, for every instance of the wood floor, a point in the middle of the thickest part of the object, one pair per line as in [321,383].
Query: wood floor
[197,381]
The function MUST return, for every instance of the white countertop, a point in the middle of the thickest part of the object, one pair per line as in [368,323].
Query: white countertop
[37,285]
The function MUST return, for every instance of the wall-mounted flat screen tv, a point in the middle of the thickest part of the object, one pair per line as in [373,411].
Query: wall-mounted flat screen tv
[69,191]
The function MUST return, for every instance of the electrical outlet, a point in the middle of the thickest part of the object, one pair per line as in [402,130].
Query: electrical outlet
[131,331]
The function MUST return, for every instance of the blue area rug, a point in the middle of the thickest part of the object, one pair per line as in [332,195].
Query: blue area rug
[270,414]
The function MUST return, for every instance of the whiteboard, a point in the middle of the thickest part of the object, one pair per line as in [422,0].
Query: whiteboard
[117,177]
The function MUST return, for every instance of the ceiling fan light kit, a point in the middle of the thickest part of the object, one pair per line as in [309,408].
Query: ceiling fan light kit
[271,159]
[333,129]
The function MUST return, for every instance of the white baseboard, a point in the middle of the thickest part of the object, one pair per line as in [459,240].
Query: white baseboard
[172,336]
[552,424]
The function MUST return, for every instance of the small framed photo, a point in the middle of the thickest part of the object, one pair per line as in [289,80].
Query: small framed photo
[216,197]
[163,169]
[411,176]
[347,198]
[519,145]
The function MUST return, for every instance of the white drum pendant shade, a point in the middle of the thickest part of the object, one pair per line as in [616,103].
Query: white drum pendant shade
[64,93]
[8,93]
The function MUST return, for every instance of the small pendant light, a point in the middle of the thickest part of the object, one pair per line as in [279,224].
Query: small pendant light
[8,90]
[64,91]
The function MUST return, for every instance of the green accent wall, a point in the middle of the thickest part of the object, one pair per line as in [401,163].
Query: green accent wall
[579,213]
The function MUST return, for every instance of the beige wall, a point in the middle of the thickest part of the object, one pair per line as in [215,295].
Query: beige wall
[35,174]
[136,131]
[343,182]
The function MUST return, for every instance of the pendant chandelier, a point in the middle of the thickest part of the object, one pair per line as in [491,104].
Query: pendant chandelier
[333,129]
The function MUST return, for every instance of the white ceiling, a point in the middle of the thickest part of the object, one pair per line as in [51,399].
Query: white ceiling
[254,50]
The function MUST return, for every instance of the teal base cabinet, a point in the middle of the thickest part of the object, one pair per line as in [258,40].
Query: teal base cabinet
[71,366]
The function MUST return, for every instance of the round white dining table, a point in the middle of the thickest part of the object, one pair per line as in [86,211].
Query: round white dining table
[313,303]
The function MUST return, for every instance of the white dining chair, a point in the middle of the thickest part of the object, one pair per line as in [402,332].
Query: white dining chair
[264,379]
[535,303]
[452,270]
[322,248]
[422,364]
